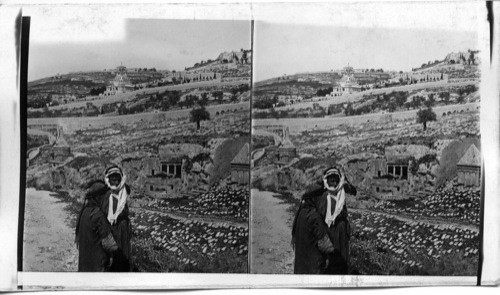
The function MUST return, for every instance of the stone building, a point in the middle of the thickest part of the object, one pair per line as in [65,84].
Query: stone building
[391,178]
[387,176]
[121,83]
[242,57]
[419,77]
[186,77]
[171,173]
[240,166]
[469,167]
[348,83]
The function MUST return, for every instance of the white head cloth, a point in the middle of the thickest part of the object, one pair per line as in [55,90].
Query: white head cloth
[337,193]
[117,192]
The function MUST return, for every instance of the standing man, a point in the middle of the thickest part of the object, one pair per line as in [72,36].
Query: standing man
[114,205]
[323,213]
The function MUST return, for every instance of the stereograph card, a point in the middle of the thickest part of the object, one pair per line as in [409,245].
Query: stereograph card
[250,145]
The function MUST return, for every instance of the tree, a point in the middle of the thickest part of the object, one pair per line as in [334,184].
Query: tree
[392,106]
[245,57]
[460,98]
[122,109]
[173,97]
[218,95]
[204,99]
[280,104]
[426,115]
[430,102]
[472,58]
[349,110]
[445,96]
[190,100]
[234,95]
[198,115]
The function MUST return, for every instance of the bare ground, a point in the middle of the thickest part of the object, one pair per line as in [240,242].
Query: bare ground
[189,217]
[443,224]
[270,234]
[48,240]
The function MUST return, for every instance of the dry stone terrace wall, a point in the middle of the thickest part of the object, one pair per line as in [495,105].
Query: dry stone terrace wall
[222,200]
[70,125]
[298,125]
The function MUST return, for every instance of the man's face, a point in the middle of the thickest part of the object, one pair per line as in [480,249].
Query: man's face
[333,180]
[115,179]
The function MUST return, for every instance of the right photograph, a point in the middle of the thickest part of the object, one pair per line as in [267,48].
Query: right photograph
[366,151]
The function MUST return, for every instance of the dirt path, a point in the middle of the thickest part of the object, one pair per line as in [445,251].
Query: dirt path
[439,223]
[270,232]
[204,219]
[48,240]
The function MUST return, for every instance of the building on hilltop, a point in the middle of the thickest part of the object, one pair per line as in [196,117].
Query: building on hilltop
[471,57]
[469,167]
[187,77]
[290,99]
[348,83]
[121,83]
[241,57]
[417,77]
[240,166]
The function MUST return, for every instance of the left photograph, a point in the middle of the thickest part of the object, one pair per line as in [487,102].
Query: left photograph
[137,149]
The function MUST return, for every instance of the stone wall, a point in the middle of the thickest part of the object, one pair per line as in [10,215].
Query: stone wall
[49,154]
[286,154]
[370,173]
[469,176]
[61,153]
[240,173]
[391,188]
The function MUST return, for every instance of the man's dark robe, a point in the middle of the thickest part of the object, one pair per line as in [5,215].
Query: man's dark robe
[308,227]
[92,233]
[309,230]
[121,233]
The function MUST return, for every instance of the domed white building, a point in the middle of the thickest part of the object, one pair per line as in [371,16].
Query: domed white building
[121,83]
[348,83]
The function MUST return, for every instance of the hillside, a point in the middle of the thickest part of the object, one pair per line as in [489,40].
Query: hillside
[229,64]
[72,86]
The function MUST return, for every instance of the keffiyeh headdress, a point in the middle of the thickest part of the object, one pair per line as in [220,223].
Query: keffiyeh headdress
[336,193]
[117,192]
